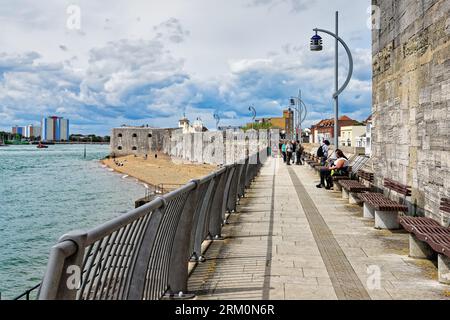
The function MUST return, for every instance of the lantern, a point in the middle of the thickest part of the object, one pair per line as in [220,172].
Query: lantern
[316,43]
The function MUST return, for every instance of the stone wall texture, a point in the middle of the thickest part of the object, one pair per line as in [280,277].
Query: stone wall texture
[216,148]
[411,100]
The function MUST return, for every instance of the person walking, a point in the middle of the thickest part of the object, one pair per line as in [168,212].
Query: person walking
[283,151]
[299,154]
[289,152]
[294,151]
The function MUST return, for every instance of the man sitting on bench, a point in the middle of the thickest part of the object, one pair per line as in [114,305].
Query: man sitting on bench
[340,168]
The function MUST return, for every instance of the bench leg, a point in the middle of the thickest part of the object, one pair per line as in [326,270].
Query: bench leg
[337,186]
[386,220]
[444,269]
[419,249]
[353,199]
[345,194]
[369,212]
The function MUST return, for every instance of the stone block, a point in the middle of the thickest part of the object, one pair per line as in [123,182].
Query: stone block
[444,269]
[369,212]
[419,249]
[386,220]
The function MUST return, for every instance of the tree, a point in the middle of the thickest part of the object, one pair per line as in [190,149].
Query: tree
[258,126]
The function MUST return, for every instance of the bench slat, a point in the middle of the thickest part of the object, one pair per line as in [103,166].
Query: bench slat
[381,203]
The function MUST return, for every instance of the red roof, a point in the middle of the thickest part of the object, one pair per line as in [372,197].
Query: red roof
[345,118]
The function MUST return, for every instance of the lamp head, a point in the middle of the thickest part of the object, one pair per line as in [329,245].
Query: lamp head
[316,43]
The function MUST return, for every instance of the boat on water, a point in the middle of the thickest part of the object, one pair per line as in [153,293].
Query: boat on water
[41,146]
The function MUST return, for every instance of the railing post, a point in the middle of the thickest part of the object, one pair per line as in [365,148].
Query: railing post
[233,193]
[202,222]
[138,276]
[69,252]
[215,223]
[179,259]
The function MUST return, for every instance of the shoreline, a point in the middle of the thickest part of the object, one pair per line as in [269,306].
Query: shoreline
[153,172]
[124,175]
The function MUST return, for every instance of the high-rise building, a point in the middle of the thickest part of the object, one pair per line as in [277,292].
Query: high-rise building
[29,131]
[32,131]
[55,129]
[19,130]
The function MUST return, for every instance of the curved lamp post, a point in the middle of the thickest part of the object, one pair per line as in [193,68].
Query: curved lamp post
[253,111]
[317,45]
[302,113]
[217,118]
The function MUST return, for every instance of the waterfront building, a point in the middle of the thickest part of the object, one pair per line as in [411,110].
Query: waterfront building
[18,130]
[128,140]
[285,123]
[365,140]
[324,130]
[350,134]
[29,131]
[55,129]
[196,127]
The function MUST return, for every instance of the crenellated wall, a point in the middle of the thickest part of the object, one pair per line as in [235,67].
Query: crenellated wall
[411,100]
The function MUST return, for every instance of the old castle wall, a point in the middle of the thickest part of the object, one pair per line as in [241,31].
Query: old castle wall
[411,99]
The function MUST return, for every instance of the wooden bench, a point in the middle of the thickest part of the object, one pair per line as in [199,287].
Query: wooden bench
[384,210]
[352,188]
[427,238]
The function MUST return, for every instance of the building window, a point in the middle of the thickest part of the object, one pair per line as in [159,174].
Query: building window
[150,135]
[134,135]
[119,148]
[134,148]
[119,135]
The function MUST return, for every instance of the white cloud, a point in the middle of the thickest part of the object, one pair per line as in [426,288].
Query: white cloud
[150,61]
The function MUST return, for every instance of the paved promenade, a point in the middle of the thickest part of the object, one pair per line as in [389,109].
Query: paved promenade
[291,240]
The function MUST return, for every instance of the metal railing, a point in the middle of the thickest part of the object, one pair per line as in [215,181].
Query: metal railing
[144,254]
[30,294]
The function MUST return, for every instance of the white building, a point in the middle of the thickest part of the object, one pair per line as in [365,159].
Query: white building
[349,135]
[196,127]
[365,140]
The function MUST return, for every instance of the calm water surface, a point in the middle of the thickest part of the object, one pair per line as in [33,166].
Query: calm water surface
[46,193]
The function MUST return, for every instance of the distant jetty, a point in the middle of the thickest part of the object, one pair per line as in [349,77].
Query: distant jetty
[70,142]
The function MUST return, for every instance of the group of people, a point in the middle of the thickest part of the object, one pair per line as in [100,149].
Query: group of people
[336,165]
[292,152]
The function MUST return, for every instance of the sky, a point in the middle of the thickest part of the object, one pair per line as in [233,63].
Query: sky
[104,64]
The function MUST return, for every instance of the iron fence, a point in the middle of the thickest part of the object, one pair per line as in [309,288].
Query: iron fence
[144,254]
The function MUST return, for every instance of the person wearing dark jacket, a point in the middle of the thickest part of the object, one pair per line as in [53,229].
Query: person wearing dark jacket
[299,155]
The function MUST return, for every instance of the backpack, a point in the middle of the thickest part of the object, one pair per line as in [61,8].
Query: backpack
[320,152]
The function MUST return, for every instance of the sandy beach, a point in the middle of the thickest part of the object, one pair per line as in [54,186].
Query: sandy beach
[161,170]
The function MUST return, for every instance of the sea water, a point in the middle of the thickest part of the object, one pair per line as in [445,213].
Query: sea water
[45,193]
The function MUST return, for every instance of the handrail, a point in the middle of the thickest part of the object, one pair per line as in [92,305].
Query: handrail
[144,253]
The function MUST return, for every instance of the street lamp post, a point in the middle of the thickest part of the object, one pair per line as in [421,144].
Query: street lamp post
[217,118]
[316,45]
[301,113]
[253,111]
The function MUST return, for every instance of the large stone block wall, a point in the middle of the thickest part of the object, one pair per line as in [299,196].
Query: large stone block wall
[220,148]
[216,148]
[139,141]
[411,100]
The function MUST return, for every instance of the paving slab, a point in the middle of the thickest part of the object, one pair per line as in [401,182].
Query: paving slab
[290,240]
